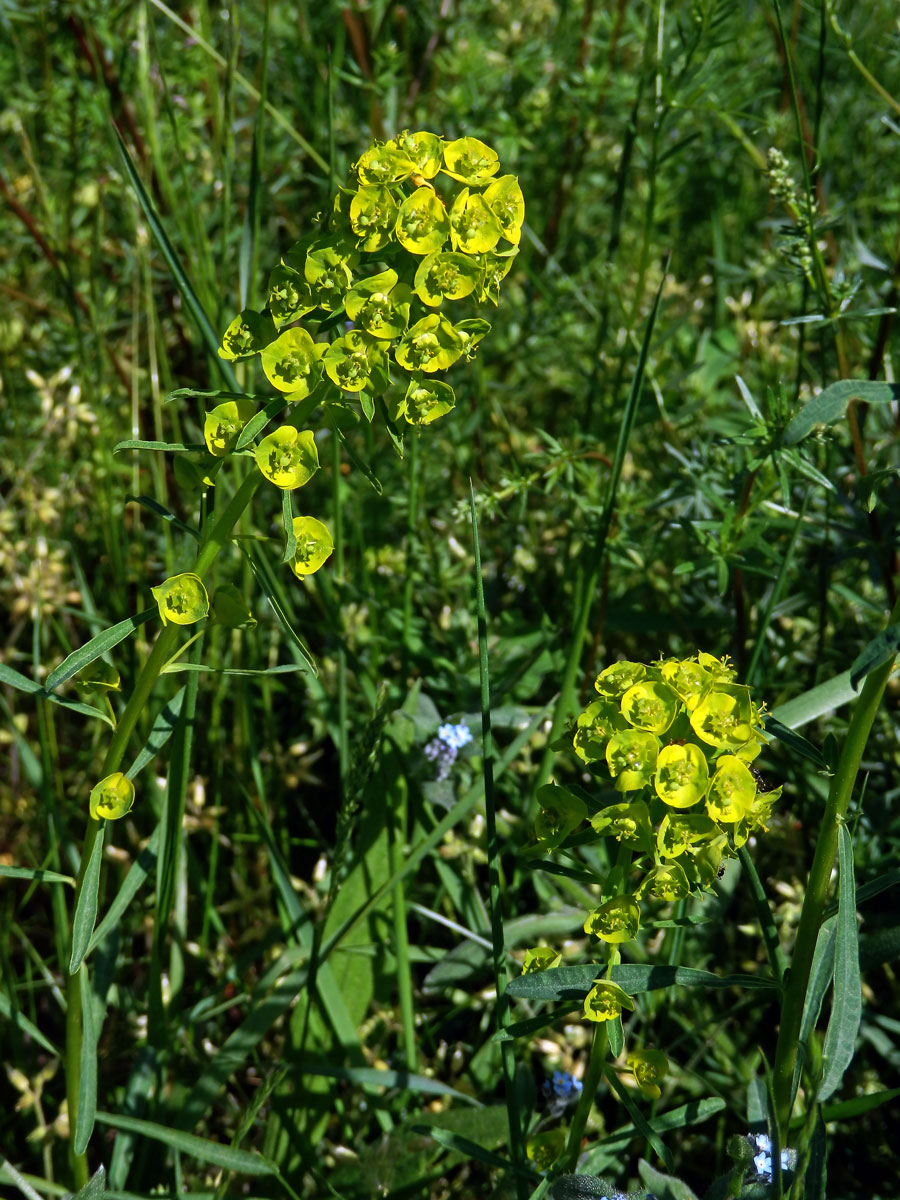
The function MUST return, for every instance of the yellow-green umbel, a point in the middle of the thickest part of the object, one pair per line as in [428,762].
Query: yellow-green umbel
[618,678]
[605,1001]
[495,267]
[426,400]
[446,276]
[181,599]
[631,757]
[314,546]
[382,165]
[543,1149]
[731,791]
[223,424]
[327,271]
[628,823]
[540,958]
[422,224]
[289,295]
[618,920]
[350,360]
[505,200]
[595,726]
[112,797]
[288,457]
[379,305]
[293,362]
[432,344]
[561,813]
[425,150]
[682,775]
[373,214]
[649,1067]
[650,705]
[723,718]
[470,161]
[665,882]
[473,227]
[246,335]
[688,679]
[679,832]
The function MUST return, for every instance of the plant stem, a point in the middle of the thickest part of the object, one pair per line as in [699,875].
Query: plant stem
[596,1064]
[817,886]
[160,654]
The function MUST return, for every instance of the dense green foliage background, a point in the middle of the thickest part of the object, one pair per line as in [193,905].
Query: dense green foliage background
[640,134]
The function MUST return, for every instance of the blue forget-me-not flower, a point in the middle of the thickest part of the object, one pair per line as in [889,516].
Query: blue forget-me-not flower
[443,749]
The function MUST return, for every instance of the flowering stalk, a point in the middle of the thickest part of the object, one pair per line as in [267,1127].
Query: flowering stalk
[817,886]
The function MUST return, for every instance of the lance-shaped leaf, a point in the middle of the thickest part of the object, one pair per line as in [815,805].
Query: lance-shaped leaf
[112,797]
[470,161]
[379,305]
[181,599]
[223,424]
[288,457]
[432,344]
[473,227]
[292,362]
[425,401]
[373,214]
[314,545]
[246,335]
[422,224]
[446,276]
[505,200]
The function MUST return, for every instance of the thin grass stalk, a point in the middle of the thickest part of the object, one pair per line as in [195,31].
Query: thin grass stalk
[398,818]
[503,1019]
[816,897]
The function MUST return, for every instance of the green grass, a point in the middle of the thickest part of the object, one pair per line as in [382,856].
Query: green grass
[301,933]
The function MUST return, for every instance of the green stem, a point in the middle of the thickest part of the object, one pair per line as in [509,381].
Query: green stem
[589,1087]
[817,886]
[158,657]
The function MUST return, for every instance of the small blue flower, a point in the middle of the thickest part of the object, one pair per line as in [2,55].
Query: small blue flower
[762,1160]
[455,736]
[443,749]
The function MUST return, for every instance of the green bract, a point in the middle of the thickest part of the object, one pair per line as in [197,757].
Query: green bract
[351,360]
[665,882]
[628,823]
[424,149]
[561,813]
[425,401]
[373,213]
[327,271]
[292,362]
[682,775]
[314,546]
[617,679]
[543,1149]
[223,424]
[595,726]
[384,164]
[650,706]
[444,275]
[287,457]
[231,609]
[540,958]
[631,756]
[495,267]
[246,335]
[470,161]
[289,295]
[181,599]
[649,1067]
[618,920]
[505,200]
[732,790]
[688,679]
[112,797]
[471,332]
[422,224]
[432,344]
[380,305]
[473,226]
[723,717]
[605,1001]
[680,832]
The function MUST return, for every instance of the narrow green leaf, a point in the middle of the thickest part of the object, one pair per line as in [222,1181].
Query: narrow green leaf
[178,273]
[287,519]
[196,393]
[616,1035]
[95,1188]
[96,647]
[790,738]
[534,1024]
[257,423]
[16,679]
[881,649]
[371,1077]
[86,904]
[666,1187]
[161,511]
[87,1083]
[143,865]
[569,983]
[19,1021]
[465,1146]
[692,1113]
[205,669]
[163,728]
[643,1126]
[251,555]
[846,1007]
[831,404]
[143,444]
[817,1171]
[821,974]
[824,698]
[244,1162]
[35,873]
[855,1107]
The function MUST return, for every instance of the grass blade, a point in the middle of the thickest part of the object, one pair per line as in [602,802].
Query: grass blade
[846,1009]
[37,873]
[87,1084]
[243,1162]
